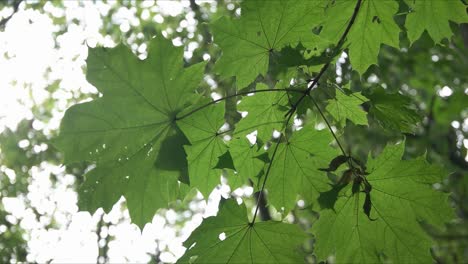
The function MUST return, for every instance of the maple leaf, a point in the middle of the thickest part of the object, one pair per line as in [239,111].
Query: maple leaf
[127,129]
[295,168]
[229,237]
[434,16]
[247,161]
[265,113]
[388,228]
[374,25]
[393,111]
[206,146]
[148,132]
[264,27]
[345,106]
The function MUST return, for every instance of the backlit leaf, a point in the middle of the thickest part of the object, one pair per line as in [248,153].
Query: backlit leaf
[128,129]
[295,169]
[374,26]
[264,27]
[345,106]
[206,146]
[393,111]
[401,196]
[434,16]
[230,238]
[265,113]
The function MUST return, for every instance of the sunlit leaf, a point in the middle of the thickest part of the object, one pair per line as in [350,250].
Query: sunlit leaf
[374,26]
[345,106]
[128,129]
[230,238]
[265,113]
[393,111]
[265,27]
[401,196]
[434,16]
[206,146]
[295,169]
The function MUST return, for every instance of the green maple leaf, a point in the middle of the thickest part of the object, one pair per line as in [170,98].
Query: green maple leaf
[264,27]
[337,15]
[434,16]
[127,129]
[374,25]
[265,113]
[145,188]
[401,196]
[261,242]
[348,107]
[206,146]
[295,168]
[247,161]
[393,111]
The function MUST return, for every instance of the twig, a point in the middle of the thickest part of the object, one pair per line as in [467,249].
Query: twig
[305,93]
[4,21]
[314,82]
[238,94]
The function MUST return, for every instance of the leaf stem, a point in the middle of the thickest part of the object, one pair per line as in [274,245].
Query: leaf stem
[314,82]
[305,93]
[237,94]
[329,126]
[262,190]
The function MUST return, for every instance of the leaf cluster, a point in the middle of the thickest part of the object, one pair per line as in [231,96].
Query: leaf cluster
[153,135]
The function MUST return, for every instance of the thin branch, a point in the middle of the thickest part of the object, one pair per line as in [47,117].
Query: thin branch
[329,126]
[352,94]
[4,21]
[262,204]
[314,82]
[305,93]
[237,94]
[262,190]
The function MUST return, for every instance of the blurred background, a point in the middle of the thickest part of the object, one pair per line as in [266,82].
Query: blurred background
[43,47]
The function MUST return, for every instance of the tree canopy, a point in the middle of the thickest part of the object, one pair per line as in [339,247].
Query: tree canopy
[346,118]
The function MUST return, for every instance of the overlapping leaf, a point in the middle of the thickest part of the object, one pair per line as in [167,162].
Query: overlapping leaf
[401,196]
[132,136]
[247,159]
[263,28]
[345,106]
[434,16]
[295,168]
[230,238]
[131,127]
[265,113]
[145,188]
[393,111]
[206,146]
[374,26]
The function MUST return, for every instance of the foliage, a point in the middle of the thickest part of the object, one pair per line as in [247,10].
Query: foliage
[133,133]
[242,242]
[153,132]
[394,191]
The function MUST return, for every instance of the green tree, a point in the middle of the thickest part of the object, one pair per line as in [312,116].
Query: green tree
[347,118]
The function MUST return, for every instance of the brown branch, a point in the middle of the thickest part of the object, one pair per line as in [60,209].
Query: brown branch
[4,21]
